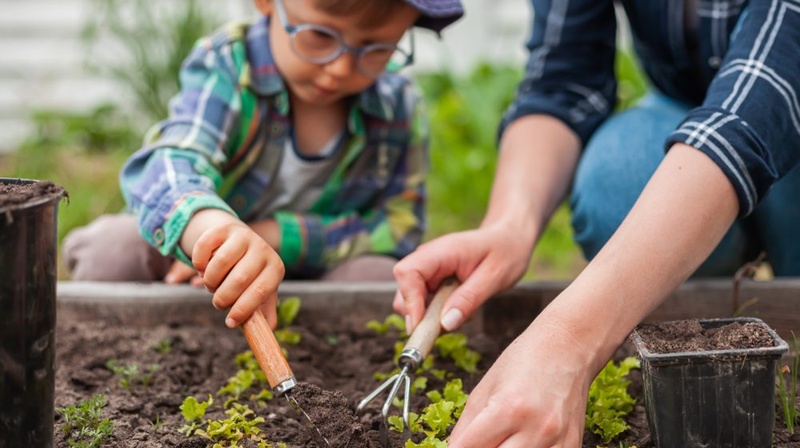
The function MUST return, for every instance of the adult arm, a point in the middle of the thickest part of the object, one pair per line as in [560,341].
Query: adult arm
[537,158]
[570,78]
[749,122]
[682,214]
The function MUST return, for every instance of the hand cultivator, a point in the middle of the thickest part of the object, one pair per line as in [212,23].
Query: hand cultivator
[417,347]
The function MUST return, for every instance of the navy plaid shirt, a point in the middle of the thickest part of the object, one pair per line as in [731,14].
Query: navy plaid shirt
[740,68]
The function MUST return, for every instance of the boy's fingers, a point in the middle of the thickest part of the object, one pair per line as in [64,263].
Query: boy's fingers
[243,273]
[269,309]
[179,272]
[263,289]
[222,262]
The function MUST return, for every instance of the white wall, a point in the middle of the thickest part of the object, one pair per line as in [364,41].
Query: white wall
[43,62]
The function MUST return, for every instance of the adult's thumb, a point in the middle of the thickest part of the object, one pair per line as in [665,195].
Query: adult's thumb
[461,304]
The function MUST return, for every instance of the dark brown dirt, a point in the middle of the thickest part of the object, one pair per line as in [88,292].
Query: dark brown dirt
[689,335]
[335,369]
[12,193]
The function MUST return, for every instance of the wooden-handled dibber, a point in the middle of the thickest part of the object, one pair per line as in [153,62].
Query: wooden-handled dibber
[417,348]
[276,368]
[268,353]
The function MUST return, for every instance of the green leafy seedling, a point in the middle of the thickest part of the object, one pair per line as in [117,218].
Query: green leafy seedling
[131,375]
[609,401]
[193,412]
[454,346]
[163,347]
[391,321]
[82,424]
[287,313]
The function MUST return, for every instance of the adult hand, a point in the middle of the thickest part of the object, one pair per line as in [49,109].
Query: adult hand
[534,396]
[236,264]
[180,272]
[485,260]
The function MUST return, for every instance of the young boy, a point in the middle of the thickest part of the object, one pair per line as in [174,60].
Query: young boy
[289,147]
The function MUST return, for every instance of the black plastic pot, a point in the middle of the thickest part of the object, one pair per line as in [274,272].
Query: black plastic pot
[720,398]
[28,315]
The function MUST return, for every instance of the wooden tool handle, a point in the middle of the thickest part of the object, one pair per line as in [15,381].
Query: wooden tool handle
[429,328]
[266,349]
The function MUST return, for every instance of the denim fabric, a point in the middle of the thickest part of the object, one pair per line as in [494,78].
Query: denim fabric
[620,158]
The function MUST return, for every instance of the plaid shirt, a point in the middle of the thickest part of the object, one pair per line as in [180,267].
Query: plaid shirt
[233,109]
[740,67]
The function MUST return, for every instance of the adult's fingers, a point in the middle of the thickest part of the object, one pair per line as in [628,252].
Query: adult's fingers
[483,429]
[476,289]
[412,292]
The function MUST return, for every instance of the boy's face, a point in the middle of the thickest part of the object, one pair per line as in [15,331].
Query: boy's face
[326,84]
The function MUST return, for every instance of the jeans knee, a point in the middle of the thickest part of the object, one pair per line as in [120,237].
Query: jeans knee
[593,224]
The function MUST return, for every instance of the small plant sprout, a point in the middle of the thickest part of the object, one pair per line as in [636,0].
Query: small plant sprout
[240,424]
[454,346]
[131,375]
[437,418]
[787,388]
[163,347]
[193,412]
[391,321]
[287,312]
[609,401]
[82,424]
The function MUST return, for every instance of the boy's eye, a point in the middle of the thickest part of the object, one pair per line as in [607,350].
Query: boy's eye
[315,39]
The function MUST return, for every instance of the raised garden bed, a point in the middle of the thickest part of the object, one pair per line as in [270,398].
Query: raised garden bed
[177,329]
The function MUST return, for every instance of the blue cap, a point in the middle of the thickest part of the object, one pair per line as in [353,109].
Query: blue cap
[437,14]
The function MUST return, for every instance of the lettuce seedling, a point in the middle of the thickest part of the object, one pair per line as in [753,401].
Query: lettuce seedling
[287,313]
[609,401]
[454,346]
[391,321]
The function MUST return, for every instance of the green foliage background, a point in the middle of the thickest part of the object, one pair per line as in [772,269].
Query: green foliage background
[84,150]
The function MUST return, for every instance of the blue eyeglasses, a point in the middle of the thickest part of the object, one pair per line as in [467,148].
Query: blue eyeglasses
[320,45]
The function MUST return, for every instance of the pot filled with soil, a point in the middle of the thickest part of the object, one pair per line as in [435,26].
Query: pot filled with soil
[709,382]
[28,215]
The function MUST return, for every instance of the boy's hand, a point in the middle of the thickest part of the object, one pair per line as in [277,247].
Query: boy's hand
[179,273]
[235,263]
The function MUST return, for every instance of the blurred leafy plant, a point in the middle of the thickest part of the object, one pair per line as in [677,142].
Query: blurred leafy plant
[152,39]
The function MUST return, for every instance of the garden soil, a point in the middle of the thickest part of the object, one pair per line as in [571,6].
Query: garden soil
[335,367]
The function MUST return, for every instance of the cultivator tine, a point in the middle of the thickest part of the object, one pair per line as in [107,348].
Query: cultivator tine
[417,347]
[395,382]
[406,402]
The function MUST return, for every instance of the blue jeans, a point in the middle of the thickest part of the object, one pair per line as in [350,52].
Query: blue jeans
[619,160]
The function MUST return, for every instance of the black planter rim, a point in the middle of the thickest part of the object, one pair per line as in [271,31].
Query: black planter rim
[55,196]
[779,345]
